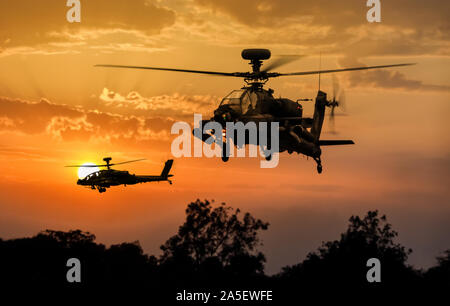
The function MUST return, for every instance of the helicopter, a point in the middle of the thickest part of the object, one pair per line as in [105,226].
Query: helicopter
[254,103]
[103,179]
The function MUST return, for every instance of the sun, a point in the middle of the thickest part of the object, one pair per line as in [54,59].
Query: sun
[85,171]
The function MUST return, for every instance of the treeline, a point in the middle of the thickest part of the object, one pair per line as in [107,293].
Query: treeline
[217,247]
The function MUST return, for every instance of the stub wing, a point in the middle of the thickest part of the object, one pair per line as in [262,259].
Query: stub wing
[152,178]
[335,142]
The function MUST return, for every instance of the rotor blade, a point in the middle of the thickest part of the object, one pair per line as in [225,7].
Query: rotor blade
[342,100]
[281,60]
[331,121]
[86,166]
[341,70]
[335,86]
[126,162]
[236,74]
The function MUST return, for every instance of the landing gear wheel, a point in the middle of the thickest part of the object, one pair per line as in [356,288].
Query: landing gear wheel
[319,164]
[269,157]
[224,153]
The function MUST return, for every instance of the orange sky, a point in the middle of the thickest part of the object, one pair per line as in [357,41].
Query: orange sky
[57,109]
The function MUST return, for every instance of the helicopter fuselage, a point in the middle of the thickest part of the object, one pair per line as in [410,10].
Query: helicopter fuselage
[258,105]
[103,179]
[107,178]
[295,133]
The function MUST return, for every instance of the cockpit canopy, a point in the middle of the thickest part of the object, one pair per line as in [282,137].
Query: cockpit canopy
[93,174]
[242,101]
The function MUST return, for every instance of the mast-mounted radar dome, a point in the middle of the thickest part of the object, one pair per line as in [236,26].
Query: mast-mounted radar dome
[255,54]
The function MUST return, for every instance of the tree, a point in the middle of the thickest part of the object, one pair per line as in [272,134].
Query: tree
[216,237]
[342,262]
[68,239]
[439,276]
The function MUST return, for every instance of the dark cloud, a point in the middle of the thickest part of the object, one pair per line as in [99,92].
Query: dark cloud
[28,23]
[176,105]
[407,27]
[159,124]
[391,80]
[32,118]
[62,121]
[338,13]
[386,78]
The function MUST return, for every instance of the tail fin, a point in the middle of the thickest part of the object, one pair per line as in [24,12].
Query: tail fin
[167,168]
[319,114]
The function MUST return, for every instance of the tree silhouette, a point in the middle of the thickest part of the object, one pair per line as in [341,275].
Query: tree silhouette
[68,239]
[439,276]
[342,263]
[217,247]
[215,241]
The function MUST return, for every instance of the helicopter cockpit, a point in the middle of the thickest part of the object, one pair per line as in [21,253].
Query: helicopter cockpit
[92,175]
[242,101]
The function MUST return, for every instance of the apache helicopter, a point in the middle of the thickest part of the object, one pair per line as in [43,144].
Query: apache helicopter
[103,179]
[253,103]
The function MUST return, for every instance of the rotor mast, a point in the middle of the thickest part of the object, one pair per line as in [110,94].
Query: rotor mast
[256,78]
[107,160]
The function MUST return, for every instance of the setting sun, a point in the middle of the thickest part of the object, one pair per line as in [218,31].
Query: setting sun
[85,171]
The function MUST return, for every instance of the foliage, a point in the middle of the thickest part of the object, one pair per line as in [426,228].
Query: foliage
[343,262]
[218,246]
[215,232]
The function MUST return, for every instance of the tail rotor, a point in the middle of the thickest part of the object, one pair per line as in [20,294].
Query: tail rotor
[338,100]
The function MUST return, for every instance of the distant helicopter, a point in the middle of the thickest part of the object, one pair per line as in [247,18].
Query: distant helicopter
[103,179]
[253,103]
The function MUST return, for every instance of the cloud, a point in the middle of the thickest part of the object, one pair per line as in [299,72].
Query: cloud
[269,13]
[391,80]
[336,27]
[174,106]
[332,27]
[25,24]
[67,123]
[386,78]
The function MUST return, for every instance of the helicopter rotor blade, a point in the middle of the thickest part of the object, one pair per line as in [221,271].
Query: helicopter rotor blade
[105,165]
[331,122]
[342,100]
[338,101]
[282,60]
[234,74]
[336,86]
[276,74]
[85,166]
[126,162]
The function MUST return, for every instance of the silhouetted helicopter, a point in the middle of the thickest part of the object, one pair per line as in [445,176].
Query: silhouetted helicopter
[103,179]
[253,103]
